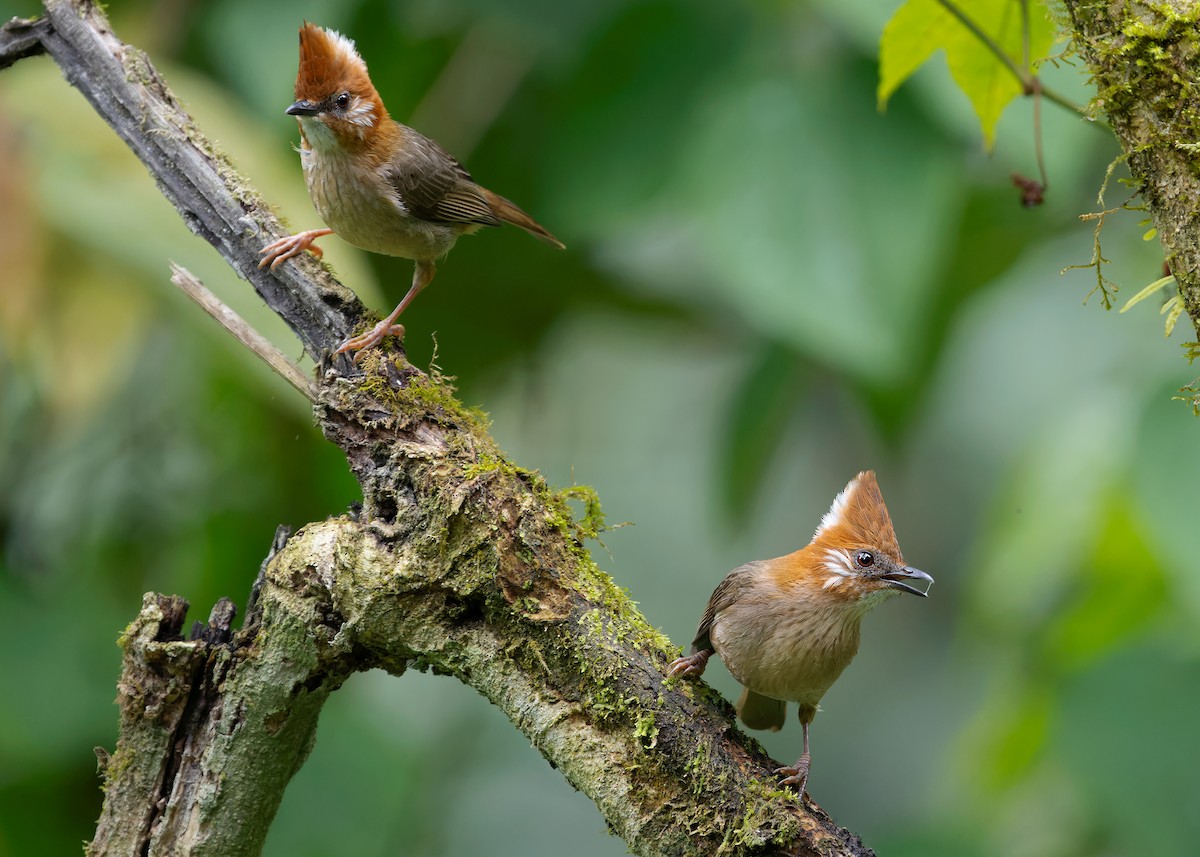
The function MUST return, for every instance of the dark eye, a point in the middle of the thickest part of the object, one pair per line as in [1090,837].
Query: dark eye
[343,101]
[865,559]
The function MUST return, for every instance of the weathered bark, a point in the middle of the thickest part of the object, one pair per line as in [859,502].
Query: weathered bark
[1144,58]
[459,561]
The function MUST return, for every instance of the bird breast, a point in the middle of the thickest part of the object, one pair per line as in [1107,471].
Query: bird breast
[363,208]
[783,642]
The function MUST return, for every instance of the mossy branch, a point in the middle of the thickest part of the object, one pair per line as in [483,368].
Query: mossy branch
[460,562]
[1145,60]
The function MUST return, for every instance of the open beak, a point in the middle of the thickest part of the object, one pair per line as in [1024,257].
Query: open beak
[898,577]
[303,108]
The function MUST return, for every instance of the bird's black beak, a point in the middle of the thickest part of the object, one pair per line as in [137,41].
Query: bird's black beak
[303,108]
[896,578]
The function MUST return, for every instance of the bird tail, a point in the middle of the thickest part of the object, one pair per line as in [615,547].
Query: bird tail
[761,712]
[510,213]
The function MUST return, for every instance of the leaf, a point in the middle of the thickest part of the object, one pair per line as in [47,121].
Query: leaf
[921,27]
[1147,292]
[1173,309]
[918,28]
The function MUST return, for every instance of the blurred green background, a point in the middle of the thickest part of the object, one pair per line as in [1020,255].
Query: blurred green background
[769,286]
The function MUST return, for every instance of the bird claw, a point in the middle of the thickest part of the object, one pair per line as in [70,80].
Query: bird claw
[371,338]
[795,775]
[285,248]
[691,665]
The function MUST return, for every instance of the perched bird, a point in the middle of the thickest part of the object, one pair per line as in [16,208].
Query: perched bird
[787,627]
[378,184]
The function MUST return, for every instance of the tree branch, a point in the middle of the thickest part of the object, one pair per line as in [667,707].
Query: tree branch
[1144,59]
[239,329]
[460,562]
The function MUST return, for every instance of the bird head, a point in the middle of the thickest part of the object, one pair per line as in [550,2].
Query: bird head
[854,552]
[336,104]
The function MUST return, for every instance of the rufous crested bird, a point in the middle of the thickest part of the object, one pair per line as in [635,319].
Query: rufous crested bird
[787,627]
[380,185]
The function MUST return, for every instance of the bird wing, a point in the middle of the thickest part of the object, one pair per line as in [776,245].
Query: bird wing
[725,594]
[434,186]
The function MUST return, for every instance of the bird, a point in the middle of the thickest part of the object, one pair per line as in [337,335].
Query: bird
[376,183]
[787,627]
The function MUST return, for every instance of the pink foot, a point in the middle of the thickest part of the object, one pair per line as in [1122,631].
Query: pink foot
[293,245]
[371,338]
[691,665]
[795,775]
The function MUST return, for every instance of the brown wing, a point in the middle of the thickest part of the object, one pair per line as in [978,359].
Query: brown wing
[725,593]
[434,186]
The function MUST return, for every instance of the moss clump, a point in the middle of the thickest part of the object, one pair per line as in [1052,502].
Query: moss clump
[395,394]
[1152,49]
[646,730]
[590,524]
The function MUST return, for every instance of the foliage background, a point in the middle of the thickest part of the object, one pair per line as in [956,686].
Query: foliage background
[769,286]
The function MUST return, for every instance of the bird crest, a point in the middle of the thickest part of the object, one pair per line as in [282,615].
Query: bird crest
[329,63]
[859,518]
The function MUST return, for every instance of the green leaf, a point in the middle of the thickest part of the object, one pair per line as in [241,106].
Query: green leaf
[918,28]
[1147,292]
[921,27]
[1172,309]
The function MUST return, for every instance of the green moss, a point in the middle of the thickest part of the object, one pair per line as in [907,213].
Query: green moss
[699,765]
[412,394]
[1148,50]
[645,729]
[116,765]
[1144,57]
[528,653]
[590,524]
[601,693]
[486,463]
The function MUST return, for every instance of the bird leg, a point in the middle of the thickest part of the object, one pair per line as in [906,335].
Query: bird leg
[292,245]
[692,665]
[422,276]
[797,774]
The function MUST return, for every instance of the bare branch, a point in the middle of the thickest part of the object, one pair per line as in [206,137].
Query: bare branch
[238,327]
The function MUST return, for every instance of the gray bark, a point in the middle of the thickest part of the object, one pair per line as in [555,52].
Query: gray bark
[460,562]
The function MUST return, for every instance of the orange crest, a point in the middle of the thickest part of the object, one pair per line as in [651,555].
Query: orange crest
[859,518]
[329,63]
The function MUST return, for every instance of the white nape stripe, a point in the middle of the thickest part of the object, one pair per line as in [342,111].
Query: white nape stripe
[834,516]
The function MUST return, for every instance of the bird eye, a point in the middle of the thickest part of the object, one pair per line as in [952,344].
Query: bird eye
[865,559]
[343,101]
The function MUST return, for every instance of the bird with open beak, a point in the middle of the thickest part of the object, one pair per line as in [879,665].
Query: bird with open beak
[787,627]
